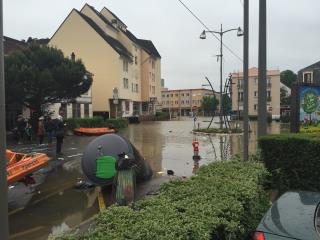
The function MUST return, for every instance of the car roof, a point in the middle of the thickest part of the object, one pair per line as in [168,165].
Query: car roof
[292,216]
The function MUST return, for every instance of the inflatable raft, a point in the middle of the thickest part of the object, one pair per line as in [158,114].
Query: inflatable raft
[20,165]
[93,131]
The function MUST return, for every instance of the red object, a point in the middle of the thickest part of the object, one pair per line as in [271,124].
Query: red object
[195,145]
[258,236]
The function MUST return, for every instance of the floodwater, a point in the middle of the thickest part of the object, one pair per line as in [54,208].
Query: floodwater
[52,205]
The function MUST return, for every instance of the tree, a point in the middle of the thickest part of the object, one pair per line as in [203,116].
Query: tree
[288,78]
[41,75]
[284,99]
[209,104]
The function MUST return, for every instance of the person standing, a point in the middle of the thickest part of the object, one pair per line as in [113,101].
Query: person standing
[59,134]
[41,130]
[21,125]
[50,127]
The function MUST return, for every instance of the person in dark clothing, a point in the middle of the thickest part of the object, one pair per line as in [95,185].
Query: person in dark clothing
[41,130]
[21,125]
[59,132]
[50,127]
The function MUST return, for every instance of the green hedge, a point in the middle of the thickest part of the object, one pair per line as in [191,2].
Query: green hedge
[293,160]
[218,130]
[162,116]
[224,201]
[73,123]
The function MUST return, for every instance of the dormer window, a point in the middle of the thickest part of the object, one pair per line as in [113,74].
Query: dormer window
[308,77]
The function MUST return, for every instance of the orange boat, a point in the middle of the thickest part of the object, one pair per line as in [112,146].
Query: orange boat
[20,165]
[93,131]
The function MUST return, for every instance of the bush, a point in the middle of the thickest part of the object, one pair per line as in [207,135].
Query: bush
[118,123]
[293,160]
[285,118]
[161,116]
[73,123]
[218,130]
[224,201]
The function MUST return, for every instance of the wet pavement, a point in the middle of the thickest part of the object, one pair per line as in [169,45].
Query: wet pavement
[52,205]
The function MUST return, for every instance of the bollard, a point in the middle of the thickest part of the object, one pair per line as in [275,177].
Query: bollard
[196,157]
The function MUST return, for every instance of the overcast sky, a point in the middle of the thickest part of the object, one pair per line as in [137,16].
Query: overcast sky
[293,32]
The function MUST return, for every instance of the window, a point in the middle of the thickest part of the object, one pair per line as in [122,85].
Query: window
[255,80]
[187,102]
[125,65]
[137,87]
[136,60]
[182,102]
[163,95]
[153,89]
[171,95]
[167,95]
[76,110]
[188,94]
[240,96]
[177,94]
[255,94]
[153,64]
[176,102]
[255,107]
[182,94]
[125,83]
[127,103]
[269,82]
[268,96]
[86,109]
[307,77]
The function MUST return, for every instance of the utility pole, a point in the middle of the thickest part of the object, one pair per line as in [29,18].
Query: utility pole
[262,83]
[246,80]
[4,226]
[220,101]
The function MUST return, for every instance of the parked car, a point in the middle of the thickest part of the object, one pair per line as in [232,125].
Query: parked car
[295,215]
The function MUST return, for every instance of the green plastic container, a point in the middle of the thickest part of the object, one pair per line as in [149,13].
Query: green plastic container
[106,167]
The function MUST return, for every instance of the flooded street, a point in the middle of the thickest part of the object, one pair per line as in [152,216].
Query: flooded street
[53,205]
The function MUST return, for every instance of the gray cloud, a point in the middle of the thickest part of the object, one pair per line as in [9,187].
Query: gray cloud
[293,31]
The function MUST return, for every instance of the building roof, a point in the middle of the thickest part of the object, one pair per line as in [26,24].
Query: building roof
[103,18]
[148,46]
[115,44]
[115,16]
[10,45]
[254,71]
[312,66]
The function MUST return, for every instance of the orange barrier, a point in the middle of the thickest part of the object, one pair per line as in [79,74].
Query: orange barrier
[94,131]
[20,165]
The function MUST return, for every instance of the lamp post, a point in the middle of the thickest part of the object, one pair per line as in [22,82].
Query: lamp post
[221,32]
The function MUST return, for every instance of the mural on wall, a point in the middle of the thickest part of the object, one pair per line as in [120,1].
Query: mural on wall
[309,97]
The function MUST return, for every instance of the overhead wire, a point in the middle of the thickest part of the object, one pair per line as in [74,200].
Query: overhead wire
[208,29]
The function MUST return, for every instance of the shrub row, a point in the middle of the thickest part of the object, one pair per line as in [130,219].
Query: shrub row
[293,160]
[225,200]
[73,123]
[162,116]
[218,130]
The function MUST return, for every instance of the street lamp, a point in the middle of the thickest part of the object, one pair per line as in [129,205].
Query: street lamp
[221,32]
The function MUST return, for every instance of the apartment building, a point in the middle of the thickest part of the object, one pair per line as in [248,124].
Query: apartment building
[310,74]
[273,92]
[116,59]
[181,102]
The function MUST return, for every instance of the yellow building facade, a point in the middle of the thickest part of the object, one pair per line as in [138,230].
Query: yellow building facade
[116,59]
[273,92]
[182,102]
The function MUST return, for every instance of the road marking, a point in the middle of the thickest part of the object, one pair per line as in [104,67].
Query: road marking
[101,200]
[16,235]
